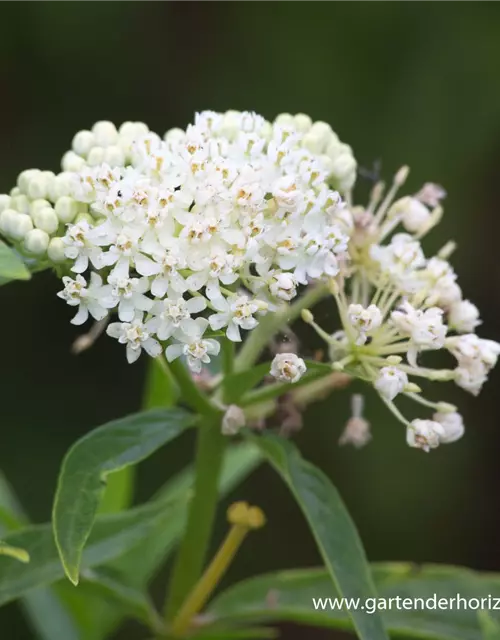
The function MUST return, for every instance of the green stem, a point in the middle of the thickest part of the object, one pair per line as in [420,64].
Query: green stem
[190,392]
[190,560]
[272,323]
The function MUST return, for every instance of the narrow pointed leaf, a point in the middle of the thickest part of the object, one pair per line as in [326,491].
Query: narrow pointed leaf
[236,384]
[331,525]
[289,596]
[111,537]
[14,552]
[109,448]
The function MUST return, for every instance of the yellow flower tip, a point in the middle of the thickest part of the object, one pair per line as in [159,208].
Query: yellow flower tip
[307,316]
[401,175]
[242,514]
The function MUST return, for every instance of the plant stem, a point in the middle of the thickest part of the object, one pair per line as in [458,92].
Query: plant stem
[190,392]
[271,324]
[193,549]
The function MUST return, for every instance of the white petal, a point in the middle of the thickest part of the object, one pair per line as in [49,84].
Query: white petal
[173,351]
[233,332]
[126,311]
[213,346]
[159,287]
[145,266]
[152,347]
[81,316]
[114,330]
[196,304]
[132,354]
[218,320]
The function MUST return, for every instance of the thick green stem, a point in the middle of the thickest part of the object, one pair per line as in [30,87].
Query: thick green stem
[190,560]
[190,392]
[272,323]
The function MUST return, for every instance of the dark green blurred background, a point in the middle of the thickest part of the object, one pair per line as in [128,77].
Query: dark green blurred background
[414,83]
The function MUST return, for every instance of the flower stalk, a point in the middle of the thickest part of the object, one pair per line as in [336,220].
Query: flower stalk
[243,519]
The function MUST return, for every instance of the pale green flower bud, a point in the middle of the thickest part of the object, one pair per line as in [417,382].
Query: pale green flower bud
[127,129]
[36,242]
[105,134]
[37,205]
[174,135]
[66,209]
[56,249]
[114,156]
[344,172]
[4,202]
[7,219]
[37,186]
[46,220]
[83,142]
[15,191]
[20,203]
[61,186]
[24,178]
[85,216]
[21,225]
[302,122]
[96,156]
[285,120]
[72,162]
[49,176]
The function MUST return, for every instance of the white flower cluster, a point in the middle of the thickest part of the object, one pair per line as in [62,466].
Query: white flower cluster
[225,219]
[393,301]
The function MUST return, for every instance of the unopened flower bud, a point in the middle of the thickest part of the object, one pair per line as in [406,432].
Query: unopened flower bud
[411,387]
[453,426]
[302,122]
[114,156]
[71,161]
[105,134]
[21,224]
[20,203]
[66,209]
[463,316]
[307,316]
[83,142]
[46,220]
[56,250]
[36,242]
[288,367]
[415,215]
[233,420]
[285,120]
[37,187]
[7,219]
[95,156]
[24,178]
[4,202]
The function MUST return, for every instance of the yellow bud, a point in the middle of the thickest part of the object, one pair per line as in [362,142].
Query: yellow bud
[307,316]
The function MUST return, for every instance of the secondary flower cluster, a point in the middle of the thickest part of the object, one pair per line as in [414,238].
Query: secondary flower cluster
[394,302]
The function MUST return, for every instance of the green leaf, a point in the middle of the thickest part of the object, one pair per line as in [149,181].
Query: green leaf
[271,391]
[48,617]
[288,596]
[235,385]
[236,634]
[490,628]
[133,602]
[111,537]
[109,448]
[12,266]
[14,552]
[331,525]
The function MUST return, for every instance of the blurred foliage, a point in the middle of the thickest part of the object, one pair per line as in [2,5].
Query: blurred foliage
[412,83]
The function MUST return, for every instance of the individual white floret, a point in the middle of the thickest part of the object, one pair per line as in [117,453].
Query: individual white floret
[235,312]
[91,299]
[390,382]
[425,434]
[288,367]
[136,335]
[364,320]
[174,312]
[129,295]
[193,345]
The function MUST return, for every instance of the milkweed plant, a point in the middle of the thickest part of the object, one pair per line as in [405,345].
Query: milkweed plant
[203,249]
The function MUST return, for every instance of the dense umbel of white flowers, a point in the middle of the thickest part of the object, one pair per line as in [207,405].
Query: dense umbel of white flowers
[199,234]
